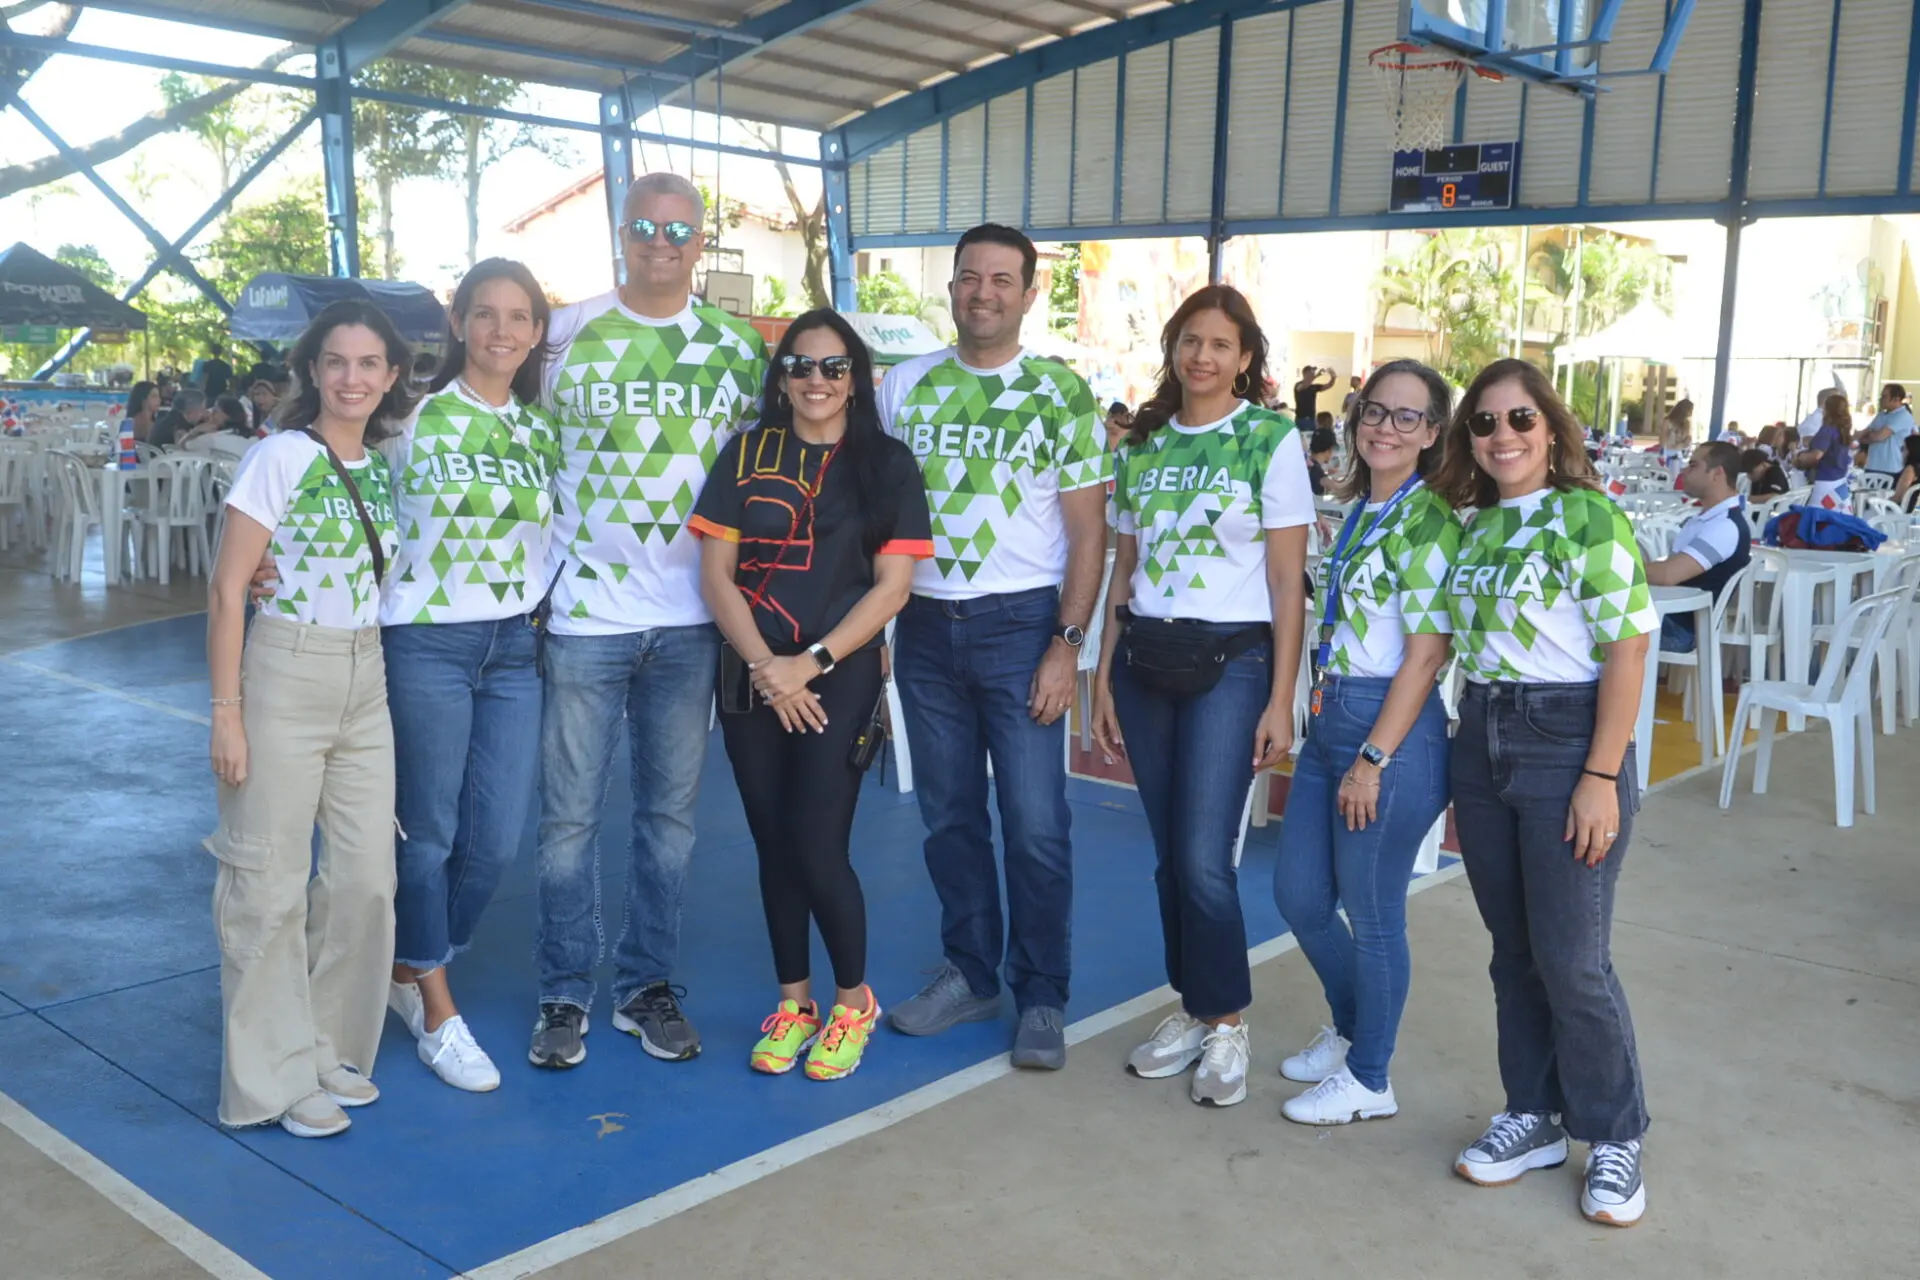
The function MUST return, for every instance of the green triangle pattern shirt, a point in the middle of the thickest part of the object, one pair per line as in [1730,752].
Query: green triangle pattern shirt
[1200,500]
[643,407]
[1541,583]
[997,448]
[1390,587]
[319,545]
[474,494]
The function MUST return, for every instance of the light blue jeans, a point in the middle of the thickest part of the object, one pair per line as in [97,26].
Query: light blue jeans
[660,682]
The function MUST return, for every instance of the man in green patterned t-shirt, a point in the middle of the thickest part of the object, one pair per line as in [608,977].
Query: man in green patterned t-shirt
[645,385]
[1014,456]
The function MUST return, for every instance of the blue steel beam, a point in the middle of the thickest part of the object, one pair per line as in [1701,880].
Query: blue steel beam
[1738,211]
[840,222]
[1217,207]
[105,53]
[1910,109]
[380,29]
[616,159]
[764,30]
[334,97]
[642,18]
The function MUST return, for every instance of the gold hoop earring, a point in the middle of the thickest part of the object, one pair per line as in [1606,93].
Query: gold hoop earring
[1240,390]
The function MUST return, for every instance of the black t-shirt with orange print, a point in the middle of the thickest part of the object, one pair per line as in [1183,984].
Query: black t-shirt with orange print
[803,564]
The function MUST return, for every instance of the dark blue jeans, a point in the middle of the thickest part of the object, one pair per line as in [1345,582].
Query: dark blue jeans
[965,669]
[1363,961]
[465,700]
[1192,760]
[1566,1038]
[660,682]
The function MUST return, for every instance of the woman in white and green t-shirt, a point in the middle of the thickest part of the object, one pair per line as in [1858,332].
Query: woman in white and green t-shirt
[300,734]
[1200,654]
[1551,616]
[473,475]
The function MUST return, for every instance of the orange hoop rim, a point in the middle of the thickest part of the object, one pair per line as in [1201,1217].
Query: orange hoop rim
[1381,60]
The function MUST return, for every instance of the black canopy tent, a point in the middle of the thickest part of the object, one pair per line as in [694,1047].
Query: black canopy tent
[276,307]
[36,290]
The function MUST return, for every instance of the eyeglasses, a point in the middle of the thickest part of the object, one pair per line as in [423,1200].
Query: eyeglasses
[644,230]
[800,368]
[1373,413]
[1486,422]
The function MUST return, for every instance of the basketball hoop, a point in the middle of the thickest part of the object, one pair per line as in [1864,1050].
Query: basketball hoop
[1418,82]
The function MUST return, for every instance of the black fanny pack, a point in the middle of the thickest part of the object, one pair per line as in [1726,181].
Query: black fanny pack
[1183,658]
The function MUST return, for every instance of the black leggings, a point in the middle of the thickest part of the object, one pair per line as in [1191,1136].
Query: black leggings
[800,792]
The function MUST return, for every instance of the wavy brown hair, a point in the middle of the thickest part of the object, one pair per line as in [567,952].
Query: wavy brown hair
[1835,413]
[1166,397]
[1459,478]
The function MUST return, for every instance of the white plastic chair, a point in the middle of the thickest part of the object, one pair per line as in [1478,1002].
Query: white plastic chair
[1696,693]
[14,462]
[179,488]
[1841,696]
[79,511]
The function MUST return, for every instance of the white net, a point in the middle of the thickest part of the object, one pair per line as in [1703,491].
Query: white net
[1417,84]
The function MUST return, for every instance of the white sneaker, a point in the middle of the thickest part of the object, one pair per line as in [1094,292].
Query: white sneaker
[1225,1056]
[315,1116]
[348,1088]
[455,1058]
[404,999]
[1326,1055]
[1340,1099]
[1173,1047]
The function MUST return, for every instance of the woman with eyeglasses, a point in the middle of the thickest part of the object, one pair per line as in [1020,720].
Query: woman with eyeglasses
[1372,776]
[811,523]
[1200,654]
[1551,622]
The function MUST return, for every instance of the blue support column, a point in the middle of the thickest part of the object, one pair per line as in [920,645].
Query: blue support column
[334,96]
[1222,120]
[1737,214]
[833,171]
[616,158]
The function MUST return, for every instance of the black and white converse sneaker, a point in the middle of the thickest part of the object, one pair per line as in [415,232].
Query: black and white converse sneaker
[1614,1193]
[1514,1142]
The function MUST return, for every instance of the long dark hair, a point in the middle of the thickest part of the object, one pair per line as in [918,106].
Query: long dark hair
[527,378]
[863,449]
[1166,397]
[1834,413]
[1459,478]
[1358,482]
[303,409]
[138,395]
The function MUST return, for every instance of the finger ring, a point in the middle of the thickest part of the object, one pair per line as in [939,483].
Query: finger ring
[1612,834]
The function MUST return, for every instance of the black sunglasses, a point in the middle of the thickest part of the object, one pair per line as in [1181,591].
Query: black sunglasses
[644,230]
[1373,413]
[801,368]
[1486,422]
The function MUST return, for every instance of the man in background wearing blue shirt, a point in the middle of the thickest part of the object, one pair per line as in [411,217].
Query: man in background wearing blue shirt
[1887,434]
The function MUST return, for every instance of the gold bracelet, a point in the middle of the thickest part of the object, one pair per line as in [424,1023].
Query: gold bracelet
[227,702]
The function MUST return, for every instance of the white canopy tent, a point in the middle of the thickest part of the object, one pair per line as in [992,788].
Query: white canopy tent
[1645,333]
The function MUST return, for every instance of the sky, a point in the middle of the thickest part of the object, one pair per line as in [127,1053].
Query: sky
[171,179]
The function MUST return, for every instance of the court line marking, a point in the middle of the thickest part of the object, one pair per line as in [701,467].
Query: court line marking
[209,1254]
[95,687]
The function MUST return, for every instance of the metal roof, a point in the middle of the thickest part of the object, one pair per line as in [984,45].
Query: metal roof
[807,63]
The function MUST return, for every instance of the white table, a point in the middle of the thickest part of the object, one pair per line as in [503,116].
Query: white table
[1806,571]
[1667,600]
[114,484]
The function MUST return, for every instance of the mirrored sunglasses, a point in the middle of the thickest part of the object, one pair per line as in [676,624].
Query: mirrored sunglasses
[833,368]
[644,230]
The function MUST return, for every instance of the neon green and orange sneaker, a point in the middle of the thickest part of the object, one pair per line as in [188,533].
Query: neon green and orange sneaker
[843,1040]
[788,1030]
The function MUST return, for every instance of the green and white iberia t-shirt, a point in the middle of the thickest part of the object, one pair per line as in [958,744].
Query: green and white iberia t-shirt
[1541,583]
[1390,585]
[643,407]
[474,491]
[1200,500]
[997,448]
[319,546]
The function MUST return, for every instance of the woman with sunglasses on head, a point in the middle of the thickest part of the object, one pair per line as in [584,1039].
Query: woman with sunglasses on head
[1200,654]
[1372,776]
[811,523]
[475,468]
[1551,623]
[301,735]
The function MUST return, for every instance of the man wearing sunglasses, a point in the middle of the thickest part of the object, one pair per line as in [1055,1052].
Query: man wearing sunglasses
[646,383]
[1016,470]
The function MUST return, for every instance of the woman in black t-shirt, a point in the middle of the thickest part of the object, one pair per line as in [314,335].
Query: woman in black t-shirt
[811,524]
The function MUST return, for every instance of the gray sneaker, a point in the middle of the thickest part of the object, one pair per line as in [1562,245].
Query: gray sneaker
[1041,1041]
[1614,1193]
[1514,1142]
[558,1038]
[1225,1058]
[941,1003]
[653,1013]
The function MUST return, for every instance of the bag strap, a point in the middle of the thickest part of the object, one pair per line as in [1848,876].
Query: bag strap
[360,505]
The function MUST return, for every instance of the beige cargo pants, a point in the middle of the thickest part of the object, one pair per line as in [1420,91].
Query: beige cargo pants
[305,958]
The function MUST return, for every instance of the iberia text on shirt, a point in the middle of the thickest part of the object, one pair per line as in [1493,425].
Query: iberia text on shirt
[643,407]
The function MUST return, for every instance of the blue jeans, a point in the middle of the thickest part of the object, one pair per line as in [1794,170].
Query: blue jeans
[1676,634]
[1566,1038]
[1363,962]
[1192,760]
[965,669]
[660,681]
[464,698]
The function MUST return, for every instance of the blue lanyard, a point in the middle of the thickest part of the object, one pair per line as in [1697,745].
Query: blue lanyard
[1341,555]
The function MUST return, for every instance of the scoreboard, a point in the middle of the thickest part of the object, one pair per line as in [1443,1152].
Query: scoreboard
[1460,179]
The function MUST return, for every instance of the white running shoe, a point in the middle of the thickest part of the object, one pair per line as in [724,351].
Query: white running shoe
[1173,1047]
[404,999]
[1225,1056]
[315,1116]
[1326,1055]
[348,1088]
[1340,1099]
[455,1058]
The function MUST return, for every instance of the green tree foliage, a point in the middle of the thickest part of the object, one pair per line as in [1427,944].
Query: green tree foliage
[1616,275]
[774,300]
[483,141]
[885,293]
[394,143]
[1460,283]
[1063,303]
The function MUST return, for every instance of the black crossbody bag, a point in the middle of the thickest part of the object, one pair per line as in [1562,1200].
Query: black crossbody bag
[359,504]
[1182,658]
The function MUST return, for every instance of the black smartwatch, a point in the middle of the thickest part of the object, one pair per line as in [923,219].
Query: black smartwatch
[822,658]
[1375,756]
[1074,636]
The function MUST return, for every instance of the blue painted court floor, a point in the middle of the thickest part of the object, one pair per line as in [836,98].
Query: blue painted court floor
[110,1002]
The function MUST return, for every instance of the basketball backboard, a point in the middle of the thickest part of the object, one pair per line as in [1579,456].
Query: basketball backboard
[1554,42]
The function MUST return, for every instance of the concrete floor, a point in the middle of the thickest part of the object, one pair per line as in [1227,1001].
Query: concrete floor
[1772,962]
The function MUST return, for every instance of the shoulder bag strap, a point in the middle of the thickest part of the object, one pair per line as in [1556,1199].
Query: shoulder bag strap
[360,505]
